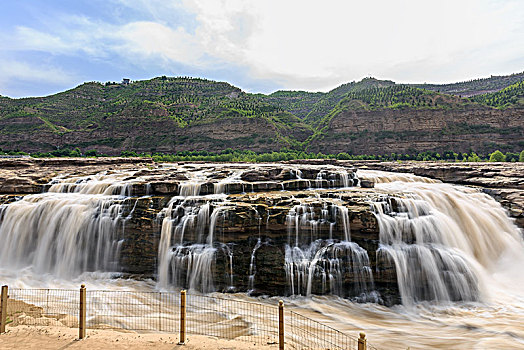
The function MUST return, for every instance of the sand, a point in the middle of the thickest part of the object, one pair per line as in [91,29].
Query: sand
[57,338]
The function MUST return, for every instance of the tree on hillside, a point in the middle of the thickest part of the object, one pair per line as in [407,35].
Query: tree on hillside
[521,156]
[497,156]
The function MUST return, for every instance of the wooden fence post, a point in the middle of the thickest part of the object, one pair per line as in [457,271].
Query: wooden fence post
[362,343]
[160,311]
[3,309]
[281,325]
[182,317]
[82,315]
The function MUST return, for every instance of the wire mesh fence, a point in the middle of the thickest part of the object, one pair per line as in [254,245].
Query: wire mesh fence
[207,315]
[232,319]
[305,333]
[43,307]
[139,311]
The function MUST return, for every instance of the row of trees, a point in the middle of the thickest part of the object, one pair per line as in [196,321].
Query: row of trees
[449,156]
[393,96]
[230,155]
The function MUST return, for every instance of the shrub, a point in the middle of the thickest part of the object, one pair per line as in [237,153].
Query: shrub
[91,153]
[497,156]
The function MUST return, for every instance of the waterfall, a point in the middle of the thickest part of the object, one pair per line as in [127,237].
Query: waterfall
[63,234]
[252,267]
[102,183]
[190,189]
[382,177]
[316,264]
[441,242]
[187,246]
[345,179]
[344,213]
[325,179]
[222,186]
[442,239]
[321,268]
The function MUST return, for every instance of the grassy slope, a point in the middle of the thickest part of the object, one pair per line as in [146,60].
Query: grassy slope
[392,97]
[325,106]
[410,99]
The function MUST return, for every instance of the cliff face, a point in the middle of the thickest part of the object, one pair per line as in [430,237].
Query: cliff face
[146,134]
[158,115]
[262,218]
[385,131]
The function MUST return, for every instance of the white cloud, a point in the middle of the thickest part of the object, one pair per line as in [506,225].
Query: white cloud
[31,39]
[154,40]
[74,35]
[316,44]
[304,44]
[15,70]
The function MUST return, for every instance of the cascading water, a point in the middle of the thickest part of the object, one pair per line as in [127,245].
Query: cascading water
[190,189]
[222,186]
[428,231]
[103,183]
[187,247]
[318,264]
[77,226]
[442,239]
[252,267]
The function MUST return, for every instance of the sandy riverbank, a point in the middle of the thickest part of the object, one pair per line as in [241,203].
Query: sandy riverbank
[47,338]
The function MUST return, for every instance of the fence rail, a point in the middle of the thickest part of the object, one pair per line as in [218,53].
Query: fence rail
[171,312]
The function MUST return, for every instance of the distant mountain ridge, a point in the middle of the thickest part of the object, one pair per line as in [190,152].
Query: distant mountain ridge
[167,114]
[476,86]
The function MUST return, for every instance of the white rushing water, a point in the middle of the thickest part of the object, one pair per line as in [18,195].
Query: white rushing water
[444,240]
[447,242]
[75,227]
[311,260]
[184,264]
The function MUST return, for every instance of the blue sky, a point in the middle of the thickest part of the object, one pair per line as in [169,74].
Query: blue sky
[260,46]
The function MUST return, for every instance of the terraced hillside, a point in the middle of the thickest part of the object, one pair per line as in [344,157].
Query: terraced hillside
[176,114]
[162,114]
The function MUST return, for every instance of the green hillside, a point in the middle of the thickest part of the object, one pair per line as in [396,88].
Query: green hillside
[505,98]
[117,114]
[168,114]
[330,100]
[298,103]
[399,96]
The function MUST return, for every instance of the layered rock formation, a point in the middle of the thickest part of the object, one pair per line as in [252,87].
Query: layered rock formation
[177,114]
[387,131]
